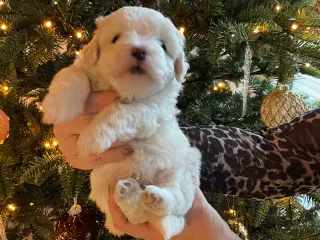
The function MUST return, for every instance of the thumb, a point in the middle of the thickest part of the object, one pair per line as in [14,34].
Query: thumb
[112,155]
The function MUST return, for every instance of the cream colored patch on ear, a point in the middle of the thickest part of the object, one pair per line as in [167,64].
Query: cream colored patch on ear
[100,21]
[181,67]
[90,53]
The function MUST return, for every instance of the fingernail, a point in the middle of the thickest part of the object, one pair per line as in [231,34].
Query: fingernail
[127,151]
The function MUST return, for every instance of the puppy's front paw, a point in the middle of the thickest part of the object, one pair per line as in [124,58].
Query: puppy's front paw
[94,141]
[67,95]
[57,108]
[155,200]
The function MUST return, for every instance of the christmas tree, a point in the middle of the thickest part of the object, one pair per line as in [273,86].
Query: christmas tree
[231,45]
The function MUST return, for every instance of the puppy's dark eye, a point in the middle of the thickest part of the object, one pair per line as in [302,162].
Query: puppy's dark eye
[163,45]
[115,39]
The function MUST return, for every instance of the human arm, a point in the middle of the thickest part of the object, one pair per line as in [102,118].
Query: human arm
[283,162]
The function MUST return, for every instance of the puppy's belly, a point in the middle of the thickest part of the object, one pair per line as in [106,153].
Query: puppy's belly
[165,150]
[101,178]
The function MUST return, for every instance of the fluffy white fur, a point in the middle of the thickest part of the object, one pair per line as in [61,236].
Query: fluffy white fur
[157,183]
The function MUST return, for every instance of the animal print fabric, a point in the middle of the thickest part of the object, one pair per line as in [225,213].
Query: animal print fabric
[285,161]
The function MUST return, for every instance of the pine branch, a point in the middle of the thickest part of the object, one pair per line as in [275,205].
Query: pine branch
[226,77]
[42,168]
[72,181]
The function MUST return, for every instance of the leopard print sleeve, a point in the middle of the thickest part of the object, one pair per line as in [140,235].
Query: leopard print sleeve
[285,161]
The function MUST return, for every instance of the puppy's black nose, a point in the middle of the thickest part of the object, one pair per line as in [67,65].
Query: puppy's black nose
[139,54]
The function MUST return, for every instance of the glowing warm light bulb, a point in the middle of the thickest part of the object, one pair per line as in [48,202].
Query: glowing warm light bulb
[294,26]
[31,204]
[215,88]
[308,64]
[55,2]
[4,89]
[1,3]
[4,26]
[11,207]
[77,53]
[182,30]
[79,34]
[48,24]
[55,143]
[278,7]
[308,28]
[256,30]
[47,145]
[231,211]
[221,84]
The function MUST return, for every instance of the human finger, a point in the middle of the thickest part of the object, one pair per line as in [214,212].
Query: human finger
[112,155]
[96,102]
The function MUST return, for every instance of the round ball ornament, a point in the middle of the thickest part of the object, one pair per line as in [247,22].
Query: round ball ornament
[281,106]
[4,126]
[80,224]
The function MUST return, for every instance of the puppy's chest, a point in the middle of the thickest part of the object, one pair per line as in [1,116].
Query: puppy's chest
[99,85]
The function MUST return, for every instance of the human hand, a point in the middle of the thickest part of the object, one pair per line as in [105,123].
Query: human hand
[67,134]
[202,222]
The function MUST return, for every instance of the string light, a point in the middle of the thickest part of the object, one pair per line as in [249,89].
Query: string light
[55,143]
[4,89]
[4,26]
[1,3]
[40,108]
[11,207]
[221,84]
[79,35]
[308,28]
[31,204]
[182,30]
[48,24]
[308,65]
[231,211]
[55,2]
[294,26]
[215,88]
[77,53]
[278,7]
[256,30]
[52,143]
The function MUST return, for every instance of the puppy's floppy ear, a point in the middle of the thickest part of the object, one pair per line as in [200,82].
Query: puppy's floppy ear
[181,67]
[90,53]
[100,21]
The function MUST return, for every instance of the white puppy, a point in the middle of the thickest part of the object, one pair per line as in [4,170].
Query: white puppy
[138,53]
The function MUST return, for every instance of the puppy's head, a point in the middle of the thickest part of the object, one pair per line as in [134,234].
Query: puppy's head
[137,51]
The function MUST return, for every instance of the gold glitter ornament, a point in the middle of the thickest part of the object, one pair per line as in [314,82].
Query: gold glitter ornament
[281,106]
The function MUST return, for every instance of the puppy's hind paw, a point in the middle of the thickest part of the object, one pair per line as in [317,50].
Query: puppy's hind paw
[155,200]
[126,189]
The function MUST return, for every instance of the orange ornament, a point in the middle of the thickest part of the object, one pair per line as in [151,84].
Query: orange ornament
[4,126]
